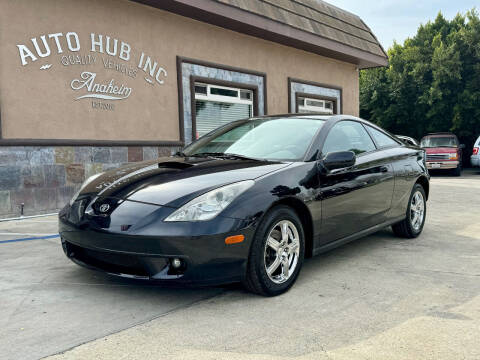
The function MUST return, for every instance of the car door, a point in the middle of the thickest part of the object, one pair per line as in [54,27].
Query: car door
[405,162]
[359,197]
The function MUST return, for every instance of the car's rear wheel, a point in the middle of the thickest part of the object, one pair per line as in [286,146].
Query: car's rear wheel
[276,254]
[413,224]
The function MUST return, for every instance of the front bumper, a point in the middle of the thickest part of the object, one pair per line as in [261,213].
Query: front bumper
[475,160]
[438,165]
[206,259]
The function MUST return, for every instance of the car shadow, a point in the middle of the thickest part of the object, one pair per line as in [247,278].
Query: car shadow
[93,277]
[449,174]
[350,252]
[474,171]
[335,260]
[441,173]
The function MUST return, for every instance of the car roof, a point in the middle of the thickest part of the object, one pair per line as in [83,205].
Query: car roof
[318,116]
[314,116]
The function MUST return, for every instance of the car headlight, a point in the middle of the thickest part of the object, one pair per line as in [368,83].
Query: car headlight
[453,156]
[207,206]
[85,183]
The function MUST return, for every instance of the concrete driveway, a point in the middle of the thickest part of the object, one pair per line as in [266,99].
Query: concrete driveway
[377,298]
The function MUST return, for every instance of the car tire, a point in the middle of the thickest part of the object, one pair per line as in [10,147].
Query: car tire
[457,171]
[412,226]
[286,253]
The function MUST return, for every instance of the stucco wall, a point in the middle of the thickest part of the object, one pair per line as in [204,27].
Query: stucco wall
[40,104]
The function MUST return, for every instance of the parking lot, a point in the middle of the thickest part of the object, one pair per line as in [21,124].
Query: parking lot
[377,298]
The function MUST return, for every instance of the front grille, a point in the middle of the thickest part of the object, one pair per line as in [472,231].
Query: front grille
[437,157]
[112,262]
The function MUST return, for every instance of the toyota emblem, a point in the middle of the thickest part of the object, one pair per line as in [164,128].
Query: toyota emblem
[104,208]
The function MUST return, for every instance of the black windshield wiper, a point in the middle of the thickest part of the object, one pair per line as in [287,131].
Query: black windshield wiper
[207,154]
[221,155]
[241,157]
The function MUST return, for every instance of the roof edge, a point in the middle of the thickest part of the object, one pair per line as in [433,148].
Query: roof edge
[232,18]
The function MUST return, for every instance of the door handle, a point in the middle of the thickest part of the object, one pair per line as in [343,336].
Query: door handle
[384,169]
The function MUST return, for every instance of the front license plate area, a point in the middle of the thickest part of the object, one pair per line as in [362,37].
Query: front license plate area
[435,166]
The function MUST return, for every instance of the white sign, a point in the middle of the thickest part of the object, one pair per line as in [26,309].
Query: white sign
[115,55]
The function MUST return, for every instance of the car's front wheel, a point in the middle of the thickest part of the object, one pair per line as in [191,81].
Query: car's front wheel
[412,226]
[276,254]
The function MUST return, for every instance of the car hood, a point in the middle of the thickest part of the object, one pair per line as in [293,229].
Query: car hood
[172,181]
[441,150]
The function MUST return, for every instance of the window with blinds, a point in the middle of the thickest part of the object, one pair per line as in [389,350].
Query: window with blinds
[218,105]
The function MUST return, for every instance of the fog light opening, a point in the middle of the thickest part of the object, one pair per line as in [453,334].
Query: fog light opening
[176,263]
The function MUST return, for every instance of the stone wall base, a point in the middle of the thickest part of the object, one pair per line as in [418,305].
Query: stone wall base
[42,179]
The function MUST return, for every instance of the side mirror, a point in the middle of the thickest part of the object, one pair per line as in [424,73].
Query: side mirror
[339,160]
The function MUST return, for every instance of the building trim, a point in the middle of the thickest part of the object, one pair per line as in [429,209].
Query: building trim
[236,19]
[220,66]
[79,142]
[194,79]
[312,83]
[181,128]
[181,60]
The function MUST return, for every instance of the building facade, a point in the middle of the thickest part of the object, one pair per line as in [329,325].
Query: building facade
[89,85]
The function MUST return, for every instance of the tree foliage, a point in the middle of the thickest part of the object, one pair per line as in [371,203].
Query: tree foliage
[432,83]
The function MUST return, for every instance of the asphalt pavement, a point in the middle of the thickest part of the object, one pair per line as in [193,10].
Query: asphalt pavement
[377,298]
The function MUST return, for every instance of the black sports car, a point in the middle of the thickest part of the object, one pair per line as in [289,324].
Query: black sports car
[248,202]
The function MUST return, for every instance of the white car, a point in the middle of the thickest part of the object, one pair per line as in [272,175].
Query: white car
[475,158]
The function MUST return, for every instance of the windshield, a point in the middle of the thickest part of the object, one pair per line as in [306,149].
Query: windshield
[440,141]
[270,139]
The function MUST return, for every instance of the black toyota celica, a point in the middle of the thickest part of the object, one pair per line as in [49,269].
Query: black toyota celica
[248,202]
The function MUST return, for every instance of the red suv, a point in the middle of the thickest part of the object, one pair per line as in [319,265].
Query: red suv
[443,152]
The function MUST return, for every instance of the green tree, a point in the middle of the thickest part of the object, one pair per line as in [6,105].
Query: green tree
[432,82]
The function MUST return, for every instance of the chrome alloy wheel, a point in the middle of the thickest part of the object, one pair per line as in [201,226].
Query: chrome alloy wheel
[282,250]
[417,210]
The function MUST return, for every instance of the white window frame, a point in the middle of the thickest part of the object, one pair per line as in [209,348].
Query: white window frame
[224,99]
[304,108]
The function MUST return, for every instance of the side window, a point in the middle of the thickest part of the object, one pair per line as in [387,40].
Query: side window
[348,136]
[382,139]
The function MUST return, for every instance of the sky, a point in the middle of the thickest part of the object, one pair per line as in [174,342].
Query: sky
[399,19]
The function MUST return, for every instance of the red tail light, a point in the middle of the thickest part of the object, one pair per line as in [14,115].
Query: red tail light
[475,151]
